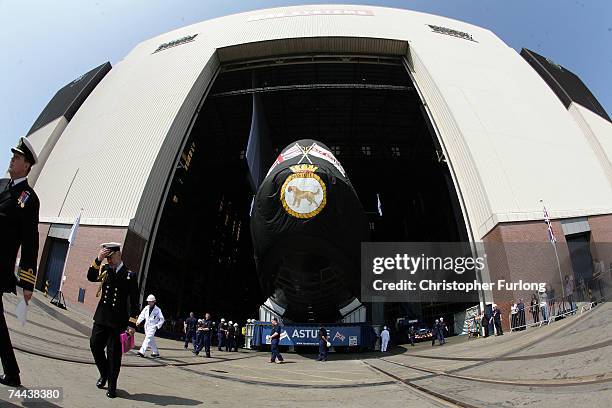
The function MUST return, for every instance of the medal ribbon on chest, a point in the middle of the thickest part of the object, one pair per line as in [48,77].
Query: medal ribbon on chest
[23,198]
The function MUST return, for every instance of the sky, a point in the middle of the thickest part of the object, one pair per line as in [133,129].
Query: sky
[46,44]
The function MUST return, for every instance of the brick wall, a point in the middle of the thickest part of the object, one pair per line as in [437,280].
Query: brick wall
[80,257]
[521,251]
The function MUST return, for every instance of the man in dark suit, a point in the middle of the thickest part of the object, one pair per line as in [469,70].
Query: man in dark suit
[19,207]
[117,309]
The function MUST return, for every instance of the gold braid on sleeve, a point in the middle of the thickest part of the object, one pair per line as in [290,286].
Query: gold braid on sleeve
[101,279]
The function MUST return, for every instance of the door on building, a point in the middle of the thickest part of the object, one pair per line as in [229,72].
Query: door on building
[582,262]
[56,258]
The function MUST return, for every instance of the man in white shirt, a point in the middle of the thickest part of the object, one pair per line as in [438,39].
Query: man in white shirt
[384,338]
[153,320]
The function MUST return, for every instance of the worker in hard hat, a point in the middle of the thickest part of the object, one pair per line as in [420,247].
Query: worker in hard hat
[153,320]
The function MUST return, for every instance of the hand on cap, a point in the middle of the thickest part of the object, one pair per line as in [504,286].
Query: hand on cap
[103,254]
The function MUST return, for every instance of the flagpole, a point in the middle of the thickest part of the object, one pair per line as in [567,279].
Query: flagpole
[559,267]
[64,268]
[554,245]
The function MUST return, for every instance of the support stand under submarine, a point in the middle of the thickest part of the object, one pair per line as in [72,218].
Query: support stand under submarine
[307,225]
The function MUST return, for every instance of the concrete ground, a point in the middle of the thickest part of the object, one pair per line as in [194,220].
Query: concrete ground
[561,365]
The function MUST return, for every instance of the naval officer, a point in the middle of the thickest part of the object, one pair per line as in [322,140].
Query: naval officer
[207,328]
[119,290]
[18,228]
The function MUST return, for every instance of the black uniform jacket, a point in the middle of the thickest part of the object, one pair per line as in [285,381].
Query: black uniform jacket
[118,305]
[19,207]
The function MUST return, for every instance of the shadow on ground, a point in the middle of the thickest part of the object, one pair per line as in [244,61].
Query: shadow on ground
[162,400]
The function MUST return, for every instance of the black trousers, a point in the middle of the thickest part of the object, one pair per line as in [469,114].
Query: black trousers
[275,352]
[7,355]
[207,341]
[190,335]
[498,326]
[109,363]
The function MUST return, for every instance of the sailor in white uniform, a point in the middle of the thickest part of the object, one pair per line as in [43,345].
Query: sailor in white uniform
[384,337]
[153,320]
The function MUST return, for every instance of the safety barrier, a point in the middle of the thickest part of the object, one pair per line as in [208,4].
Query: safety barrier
[546,313]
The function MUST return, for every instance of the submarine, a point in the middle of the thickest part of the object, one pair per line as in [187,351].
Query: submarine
[307,225]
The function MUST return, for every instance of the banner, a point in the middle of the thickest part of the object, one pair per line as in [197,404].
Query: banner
[309,335]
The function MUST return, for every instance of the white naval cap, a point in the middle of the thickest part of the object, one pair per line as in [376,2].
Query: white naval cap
[150,298]
[222,319]
[24,147]
[113,246]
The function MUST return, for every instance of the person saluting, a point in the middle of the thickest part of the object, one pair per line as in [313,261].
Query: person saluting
[118,292]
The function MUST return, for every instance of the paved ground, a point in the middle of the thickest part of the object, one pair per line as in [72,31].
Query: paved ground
[562,365]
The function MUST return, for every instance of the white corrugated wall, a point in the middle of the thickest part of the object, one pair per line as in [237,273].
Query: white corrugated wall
[506,134]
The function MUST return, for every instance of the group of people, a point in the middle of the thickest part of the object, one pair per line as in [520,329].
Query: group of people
[437,332]
[483,324]
[200,332]
[543,304]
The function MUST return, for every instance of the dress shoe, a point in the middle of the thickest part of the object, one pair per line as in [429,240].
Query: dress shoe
[155,355]
[101,382]
[140,354]
[112,392]
[10,380]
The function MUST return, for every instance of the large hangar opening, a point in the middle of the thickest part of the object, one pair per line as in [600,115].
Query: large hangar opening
[366,109]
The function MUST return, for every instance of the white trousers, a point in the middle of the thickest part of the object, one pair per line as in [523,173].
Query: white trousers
[383,346]
[149,341]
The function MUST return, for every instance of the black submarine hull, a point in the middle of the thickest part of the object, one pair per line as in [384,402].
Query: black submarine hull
[307,225]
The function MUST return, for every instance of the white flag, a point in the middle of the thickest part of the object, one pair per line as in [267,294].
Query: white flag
[379,205]
[73,231]
[21,311]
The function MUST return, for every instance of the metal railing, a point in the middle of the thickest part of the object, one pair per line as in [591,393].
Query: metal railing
[548,312]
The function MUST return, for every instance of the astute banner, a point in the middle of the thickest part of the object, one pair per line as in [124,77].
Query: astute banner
[309,335]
